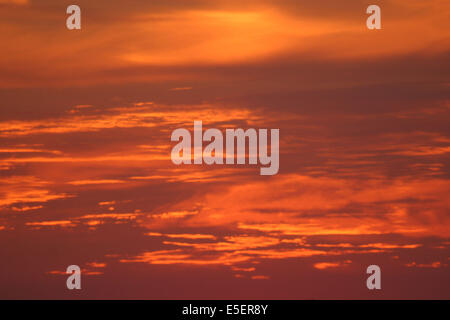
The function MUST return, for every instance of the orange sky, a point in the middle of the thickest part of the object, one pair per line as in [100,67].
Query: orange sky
[86,175]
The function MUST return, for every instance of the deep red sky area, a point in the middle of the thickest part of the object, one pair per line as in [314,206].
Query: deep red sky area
[86,176]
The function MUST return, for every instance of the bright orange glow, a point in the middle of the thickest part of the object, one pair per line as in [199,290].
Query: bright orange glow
[86,175]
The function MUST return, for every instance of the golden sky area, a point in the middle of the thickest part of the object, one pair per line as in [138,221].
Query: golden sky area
[86,176]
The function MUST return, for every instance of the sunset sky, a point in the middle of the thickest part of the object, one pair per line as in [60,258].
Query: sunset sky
[86,176]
